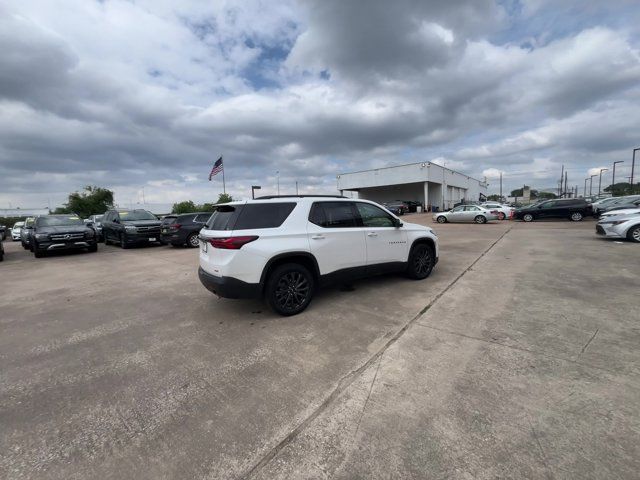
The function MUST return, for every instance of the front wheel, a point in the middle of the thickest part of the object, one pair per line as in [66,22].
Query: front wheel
[576,216]
[289,289]
[36,252]
[123,241]
[501,216]
[421,261]
[527,217]
[93,248]
[480,219]
[634,234]
[192,241]
[441,219]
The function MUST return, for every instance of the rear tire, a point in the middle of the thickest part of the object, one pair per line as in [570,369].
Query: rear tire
[421,261]
[289,289]
[576,217]
[480,219]
[441,219]
[527,217]
[501,216]
[192,241]
[634,234]
[106,240]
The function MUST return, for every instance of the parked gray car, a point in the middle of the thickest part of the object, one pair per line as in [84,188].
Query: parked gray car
[466,213]
[620,226]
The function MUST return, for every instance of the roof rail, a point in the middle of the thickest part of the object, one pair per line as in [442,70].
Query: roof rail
[267,197]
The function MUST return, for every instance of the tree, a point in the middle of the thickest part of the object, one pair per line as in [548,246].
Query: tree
[61,211]
[518,193]
[546,195]
[623,188]
[494,198]
[224,198]
[91,201]
[184,207]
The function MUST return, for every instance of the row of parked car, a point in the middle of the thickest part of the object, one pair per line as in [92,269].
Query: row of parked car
[126,228]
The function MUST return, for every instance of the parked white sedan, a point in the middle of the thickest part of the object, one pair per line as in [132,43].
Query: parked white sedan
[466,213]
[504,211]
[623,211]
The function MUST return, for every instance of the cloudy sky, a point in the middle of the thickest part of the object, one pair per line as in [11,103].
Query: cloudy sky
[146,94]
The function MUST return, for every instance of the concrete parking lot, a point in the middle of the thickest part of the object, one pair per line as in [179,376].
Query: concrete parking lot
[517,358]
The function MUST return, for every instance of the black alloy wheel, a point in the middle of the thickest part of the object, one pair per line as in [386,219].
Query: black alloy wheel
[192,241]
[290,289]
[576,216]
[527,217]
[421,261]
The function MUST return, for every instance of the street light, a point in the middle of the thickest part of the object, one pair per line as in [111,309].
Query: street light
[633,166]
[591,184]
[600,181]
[253,190]
[585,187]
[613,179]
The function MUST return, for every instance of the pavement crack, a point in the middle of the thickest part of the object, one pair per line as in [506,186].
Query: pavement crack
[590,340]
[366,402]
[350,377]
[548,473]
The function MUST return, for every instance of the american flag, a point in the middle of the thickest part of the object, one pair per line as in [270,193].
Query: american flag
[217,168]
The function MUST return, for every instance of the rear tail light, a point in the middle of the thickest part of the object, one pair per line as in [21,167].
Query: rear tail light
[231,243]
[175,226]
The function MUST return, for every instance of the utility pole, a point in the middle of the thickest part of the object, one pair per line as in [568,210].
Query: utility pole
[296,187]
[565,183]
[600,181]
[585,188]
[613,179]
[278,180]
[561,177]
[500,186]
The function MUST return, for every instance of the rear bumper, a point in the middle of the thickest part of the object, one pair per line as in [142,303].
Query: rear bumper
[229,287]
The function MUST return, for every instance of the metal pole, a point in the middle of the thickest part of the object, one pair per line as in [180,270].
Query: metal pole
[633,166]
[278,179]
[296,187]
[613,179]
[561,177]
[224,186]
[591,184]
[600,181]
[585,187]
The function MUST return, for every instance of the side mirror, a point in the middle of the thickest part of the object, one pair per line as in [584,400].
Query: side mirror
[397,223]
[89,224]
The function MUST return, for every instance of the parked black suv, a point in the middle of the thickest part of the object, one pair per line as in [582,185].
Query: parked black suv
[572,208]
[3,232]
[183,229]
[61,232]
[130,227]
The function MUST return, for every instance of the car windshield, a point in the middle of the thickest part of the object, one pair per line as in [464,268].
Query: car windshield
[135,215]
[59,221]
[18,224]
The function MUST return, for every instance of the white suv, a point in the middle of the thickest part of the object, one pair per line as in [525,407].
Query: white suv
[283,247]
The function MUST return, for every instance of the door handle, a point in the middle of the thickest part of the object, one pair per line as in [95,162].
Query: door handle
[317,237]
[372,234]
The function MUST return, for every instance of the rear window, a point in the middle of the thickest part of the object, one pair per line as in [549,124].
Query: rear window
[268,215]
[169,220]
[249,216]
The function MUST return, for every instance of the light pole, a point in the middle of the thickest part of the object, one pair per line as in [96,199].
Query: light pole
[591,184]
[585,188]
[613,179]
[278,176]
[633,166]
[253,190]
[600,181]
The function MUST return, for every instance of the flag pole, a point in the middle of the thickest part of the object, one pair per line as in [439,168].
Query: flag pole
[224,188]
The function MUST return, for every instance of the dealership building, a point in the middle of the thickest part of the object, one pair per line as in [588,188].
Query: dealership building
[424,182]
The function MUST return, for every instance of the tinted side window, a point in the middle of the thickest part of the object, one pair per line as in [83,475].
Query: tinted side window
[548,204]
[333,215]
[373,216]
[185,219]
[267,215]
[224,218]
[202,218]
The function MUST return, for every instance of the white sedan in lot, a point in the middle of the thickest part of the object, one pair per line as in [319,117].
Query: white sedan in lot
[15,231]
[504,211]
[466,213]
[620,226]
[623,211]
